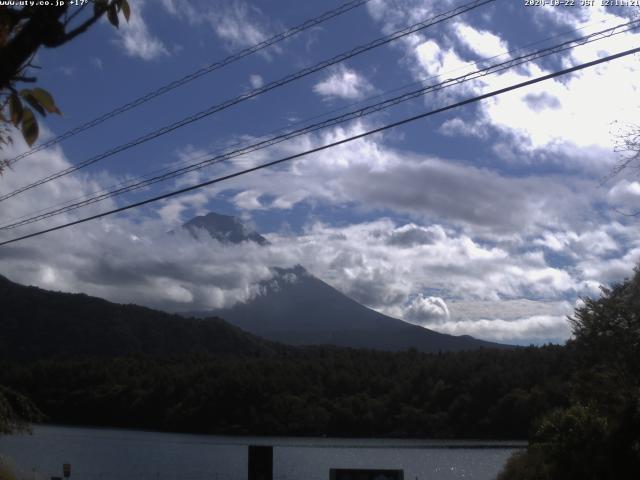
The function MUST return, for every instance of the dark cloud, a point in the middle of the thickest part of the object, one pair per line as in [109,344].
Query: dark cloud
[541,101]
[413,235]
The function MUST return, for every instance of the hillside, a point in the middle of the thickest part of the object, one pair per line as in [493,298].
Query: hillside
[37,323]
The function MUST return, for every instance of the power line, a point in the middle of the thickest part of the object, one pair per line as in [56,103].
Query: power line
[147,175]
[333,144]
[255,92]
[344,8]
[619,29]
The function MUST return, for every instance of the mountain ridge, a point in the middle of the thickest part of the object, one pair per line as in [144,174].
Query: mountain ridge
[40,324]
[308,311]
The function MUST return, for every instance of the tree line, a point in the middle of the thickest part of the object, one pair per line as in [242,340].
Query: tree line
[312,391]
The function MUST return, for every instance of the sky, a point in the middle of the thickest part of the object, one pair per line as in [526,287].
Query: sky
[492,220]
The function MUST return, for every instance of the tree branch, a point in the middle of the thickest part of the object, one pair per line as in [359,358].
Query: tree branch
[83,27]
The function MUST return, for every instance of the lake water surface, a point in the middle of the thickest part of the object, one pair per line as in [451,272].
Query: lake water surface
[109,454]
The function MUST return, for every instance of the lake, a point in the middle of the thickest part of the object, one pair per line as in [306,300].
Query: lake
[110,454]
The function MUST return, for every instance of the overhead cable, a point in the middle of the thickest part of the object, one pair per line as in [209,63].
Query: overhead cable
[331,145]
[359,113]
[346,7]
[254,93]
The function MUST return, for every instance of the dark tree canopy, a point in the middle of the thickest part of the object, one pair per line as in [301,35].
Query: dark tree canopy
[16,412]
[598,436]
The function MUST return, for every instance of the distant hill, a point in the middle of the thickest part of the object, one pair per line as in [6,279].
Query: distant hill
[297,308]
[37,324]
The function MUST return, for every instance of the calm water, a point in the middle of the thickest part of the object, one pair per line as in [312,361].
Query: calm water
[105,454]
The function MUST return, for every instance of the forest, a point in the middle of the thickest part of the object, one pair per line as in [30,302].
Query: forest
[577,404]
[84,360]
[314,391]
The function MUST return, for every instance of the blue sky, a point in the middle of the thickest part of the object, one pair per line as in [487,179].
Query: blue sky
[491,220]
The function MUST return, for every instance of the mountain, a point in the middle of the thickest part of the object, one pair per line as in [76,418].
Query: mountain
[38,324]
[298,308]
[224,228]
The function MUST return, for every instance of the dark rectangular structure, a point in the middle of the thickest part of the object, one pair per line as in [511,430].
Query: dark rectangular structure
[365,474]
[260,462]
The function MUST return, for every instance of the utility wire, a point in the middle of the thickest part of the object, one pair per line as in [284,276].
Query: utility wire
[152,173]
[492,69]
[333,144]
[255,92]
[346,7]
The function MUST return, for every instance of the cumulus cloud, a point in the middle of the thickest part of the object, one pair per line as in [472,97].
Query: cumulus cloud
[592,242]
[361,258]
[344,83]
[481,42]
[538,117]
[427,311]
[626,194]
[457,127]
[558,121]
[474,234]
[369,173]
[134,259]
[437,61]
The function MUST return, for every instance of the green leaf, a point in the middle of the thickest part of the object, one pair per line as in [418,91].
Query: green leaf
[126,10]
[29,127]
[15,108]
[112,14]
[45,99]
[33,101]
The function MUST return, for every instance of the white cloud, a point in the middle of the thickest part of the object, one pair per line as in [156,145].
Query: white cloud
[469,310]
[481,42]
[591,242]
[239,24]
[136,39]
[563,118]
[626,194]
[457,127]
[248,200]
[558,121]
[234,26]
[400,13]
[367,262]
[437,61]
[256,81]
[528,330]
[384,264]
[426,311]
[379,263]
[344,83]
[368,173]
